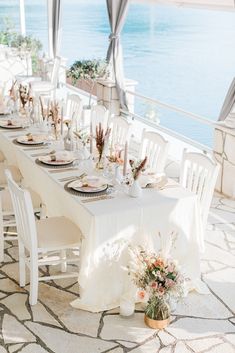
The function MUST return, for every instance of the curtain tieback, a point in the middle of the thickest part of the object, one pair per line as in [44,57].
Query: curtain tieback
[113,36]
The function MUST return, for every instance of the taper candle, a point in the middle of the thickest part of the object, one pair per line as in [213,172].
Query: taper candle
[125,159]
[62,121]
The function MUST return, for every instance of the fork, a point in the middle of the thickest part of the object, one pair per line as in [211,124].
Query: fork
[73,177]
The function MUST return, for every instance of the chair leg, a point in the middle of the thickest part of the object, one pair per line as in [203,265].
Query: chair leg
[33,296]
[22,264]
[64,263]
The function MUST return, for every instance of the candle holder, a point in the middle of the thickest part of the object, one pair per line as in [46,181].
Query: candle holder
[127,307]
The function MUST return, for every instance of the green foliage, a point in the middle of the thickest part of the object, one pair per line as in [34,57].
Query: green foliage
[157,309]
[89,70]
[9,37]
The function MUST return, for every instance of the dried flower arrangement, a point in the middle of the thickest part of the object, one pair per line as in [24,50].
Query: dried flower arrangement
[12,91]
[44,112]
[137,167]
[158,279]
[55,118]
[24,95]
[83,136]
[101,139]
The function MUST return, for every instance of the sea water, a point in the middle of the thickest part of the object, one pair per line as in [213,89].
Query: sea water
[181,56]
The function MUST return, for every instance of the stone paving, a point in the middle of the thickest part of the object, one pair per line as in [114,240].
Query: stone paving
[200,324]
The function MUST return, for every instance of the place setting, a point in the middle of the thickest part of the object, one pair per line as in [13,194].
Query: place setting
[56,159]
[31,140]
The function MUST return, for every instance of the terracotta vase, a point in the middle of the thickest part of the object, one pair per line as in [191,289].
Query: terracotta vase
[156,324]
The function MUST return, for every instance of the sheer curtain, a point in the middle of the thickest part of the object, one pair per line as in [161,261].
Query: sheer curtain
[117,12]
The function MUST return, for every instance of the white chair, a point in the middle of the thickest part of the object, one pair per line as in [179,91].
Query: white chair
[155,147]
[99,114]
[199,174]
[17,176]
[37,238]
[7,218]
[120,129]
[73,109]
[39,88]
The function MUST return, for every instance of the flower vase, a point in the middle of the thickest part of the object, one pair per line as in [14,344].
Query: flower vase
[85,152]
[135,189]
[117,176]
[157,313]
[100,164]
[156,324]
[68,140]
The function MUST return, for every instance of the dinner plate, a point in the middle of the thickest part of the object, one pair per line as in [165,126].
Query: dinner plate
[13,126]
[37,140]
[47,160]
[79,186]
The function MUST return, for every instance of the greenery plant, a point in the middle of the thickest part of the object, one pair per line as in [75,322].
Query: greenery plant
[88,70]
[9,37]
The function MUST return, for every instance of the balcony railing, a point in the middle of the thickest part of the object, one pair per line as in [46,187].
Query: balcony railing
[188,115]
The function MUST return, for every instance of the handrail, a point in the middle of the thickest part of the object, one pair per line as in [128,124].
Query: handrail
[170,132]
[197,117]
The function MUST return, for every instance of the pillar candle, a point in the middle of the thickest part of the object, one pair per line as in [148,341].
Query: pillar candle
[125,159]
[62,122]
[91,139]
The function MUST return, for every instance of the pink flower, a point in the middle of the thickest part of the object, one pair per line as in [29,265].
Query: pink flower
[169,283]
[161,290]
[154,285]
[141,294]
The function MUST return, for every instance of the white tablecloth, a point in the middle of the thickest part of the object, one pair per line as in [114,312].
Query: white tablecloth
[110,225]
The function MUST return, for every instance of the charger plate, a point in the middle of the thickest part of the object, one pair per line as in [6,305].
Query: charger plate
[27,145]
[38,162]
[85,194]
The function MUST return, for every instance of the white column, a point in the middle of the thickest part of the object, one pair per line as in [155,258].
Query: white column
[22,18]
[49,24]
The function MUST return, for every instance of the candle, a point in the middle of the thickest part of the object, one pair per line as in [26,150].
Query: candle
[91,139]
[127,307]
[1,96]
[125,159]
[111,148]
[62,122]
[48,109]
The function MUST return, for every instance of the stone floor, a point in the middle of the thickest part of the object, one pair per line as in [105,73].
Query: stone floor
[202,323]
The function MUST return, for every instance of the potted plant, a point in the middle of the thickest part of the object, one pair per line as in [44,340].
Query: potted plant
[158,279]
[84,74]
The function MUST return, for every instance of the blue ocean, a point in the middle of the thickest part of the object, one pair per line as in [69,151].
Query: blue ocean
[180,56]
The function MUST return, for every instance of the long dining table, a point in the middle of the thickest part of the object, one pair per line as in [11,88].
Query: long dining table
[111,225]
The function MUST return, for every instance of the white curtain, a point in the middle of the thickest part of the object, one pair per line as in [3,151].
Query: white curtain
[54,27]
[117,11]
[229,102]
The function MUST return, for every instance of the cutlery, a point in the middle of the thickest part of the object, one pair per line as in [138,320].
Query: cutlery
[73,177]
[35,148]
[61,170]
[42,154]
[97,198]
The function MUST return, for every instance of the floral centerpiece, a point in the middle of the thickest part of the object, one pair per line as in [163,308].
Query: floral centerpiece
[24,95]
[158,279]
[136,169]
[54,115]
[13,92]
[101,144]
